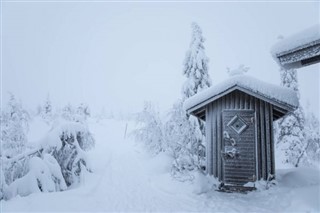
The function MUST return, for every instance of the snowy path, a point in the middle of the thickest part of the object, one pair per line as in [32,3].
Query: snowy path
[127,179]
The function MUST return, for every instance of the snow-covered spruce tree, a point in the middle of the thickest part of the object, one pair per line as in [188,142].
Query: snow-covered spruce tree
[48,106]
[195,65]
[68,113]
[191,129]
[290,133]
[150,129]
[45,110]
[14,127]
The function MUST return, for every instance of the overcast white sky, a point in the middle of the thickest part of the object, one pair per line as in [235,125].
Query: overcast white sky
[118,55]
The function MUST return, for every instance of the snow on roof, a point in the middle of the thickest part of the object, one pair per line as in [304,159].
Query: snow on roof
[297,41]
[274,93]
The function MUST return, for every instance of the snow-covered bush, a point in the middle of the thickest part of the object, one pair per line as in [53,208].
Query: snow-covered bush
[56,164]
[290,133]
[13,170]
[77,114]
[150,129]
[44,175]
[291,139]
[67,143]
[55,171]
[312,138]
[83,110]
[183,138]
[3,184]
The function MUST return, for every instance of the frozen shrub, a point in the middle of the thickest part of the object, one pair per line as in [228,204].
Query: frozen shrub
[42,176]
[183,138]
[3,184]
[57,164]
[149,130]
[67,143]
[290,133]
[76,114]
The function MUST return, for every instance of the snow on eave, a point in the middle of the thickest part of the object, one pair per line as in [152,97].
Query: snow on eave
[298,41]
[274,94]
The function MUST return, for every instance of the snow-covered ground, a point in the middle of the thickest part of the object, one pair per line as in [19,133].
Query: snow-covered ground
[125,178]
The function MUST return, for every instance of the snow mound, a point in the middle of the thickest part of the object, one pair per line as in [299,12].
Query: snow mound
[302,177]
[297,41]
[277,93]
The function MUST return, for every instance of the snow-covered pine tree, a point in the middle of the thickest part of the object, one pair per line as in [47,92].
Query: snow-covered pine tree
[290,133]
[195,69]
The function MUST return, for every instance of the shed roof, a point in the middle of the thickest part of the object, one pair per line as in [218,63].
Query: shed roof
[284,98]
[300,49]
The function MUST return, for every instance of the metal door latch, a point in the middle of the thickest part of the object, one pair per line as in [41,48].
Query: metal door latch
[230,152]
[227,137]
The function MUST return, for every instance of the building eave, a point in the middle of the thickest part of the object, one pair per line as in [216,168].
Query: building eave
[283,107]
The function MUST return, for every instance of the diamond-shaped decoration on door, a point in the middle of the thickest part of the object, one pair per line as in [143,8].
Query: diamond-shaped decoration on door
[237,124]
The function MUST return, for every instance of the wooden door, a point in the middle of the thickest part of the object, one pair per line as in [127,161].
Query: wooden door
[238,146]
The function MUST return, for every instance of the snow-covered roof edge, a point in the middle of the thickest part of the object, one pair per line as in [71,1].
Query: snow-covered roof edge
[273,93]
[300,40]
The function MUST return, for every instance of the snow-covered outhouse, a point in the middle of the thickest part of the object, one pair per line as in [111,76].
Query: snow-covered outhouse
[239,115]
[298,50]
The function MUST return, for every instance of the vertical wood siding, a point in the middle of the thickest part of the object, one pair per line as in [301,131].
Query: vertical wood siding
[264,134]
[208,138]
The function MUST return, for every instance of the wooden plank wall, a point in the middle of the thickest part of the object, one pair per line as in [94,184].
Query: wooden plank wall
[264,134]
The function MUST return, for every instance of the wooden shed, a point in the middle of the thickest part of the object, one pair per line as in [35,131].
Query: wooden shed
[239,115]
[298,50]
